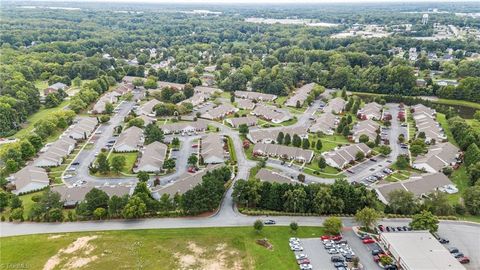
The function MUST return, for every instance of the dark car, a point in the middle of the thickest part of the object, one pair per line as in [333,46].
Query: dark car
[339,242]
[390,267]
[269,222]
[76,163]
[443,240]
[337,259]
[399,228]
[381,228]
[453,250]
[458,255]
[405,228]
[387,228]
[376,252]
[339,264]
[349,257]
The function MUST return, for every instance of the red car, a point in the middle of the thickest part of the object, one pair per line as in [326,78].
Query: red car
[195,146]
[368,241]
[303,261]
[464,260]
[191,169]
[331,237]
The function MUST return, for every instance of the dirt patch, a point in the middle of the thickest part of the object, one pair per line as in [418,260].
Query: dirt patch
[199,258]
[264,243]
[55,236]
[80,246]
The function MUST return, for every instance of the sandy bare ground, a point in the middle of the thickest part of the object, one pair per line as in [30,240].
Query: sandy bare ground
[198,258]
[80,246]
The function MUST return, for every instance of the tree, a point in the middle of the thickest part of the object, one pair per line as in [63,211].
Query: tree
[363,138]
[192,160]
[322,163]
[151,83]
[294,227]
[402,162]
[280,137]
[301,177]
[15,202]
[438,203]
[359,156]
[367,217]
[100,213]
[346,131]
[154,134]
[305,144]
[295,200]
[402,202]
[471,198]
[116,205]
[297,142]
[425,220]
[118,163]
[332,225]
[319,145]
[143,176]
[472,155]
[17,214]
[94,199]
[169,164]
[3,200]
[137,122]
[386,260]
[176,142]
[103,164]
[109,108]
[325,203]
[287,139]
[27,150]
[55,215]
[243,129]
[258,226]
[385,150]
[135,208]
[476,115]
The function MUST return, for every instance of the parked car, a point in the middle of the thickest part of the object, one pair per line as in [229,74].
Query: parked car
[458,255]
[332,251]
[443,241]
[381,228]
[453,250]
[376,252]
[349,257]
[365,236]
[306,267]
[331,237]
[337,259]
[301,256]
[390,267]
[296,248]
[368,241]
[464,260]
[339,264]
[303,261]
[76,163]
[269,222]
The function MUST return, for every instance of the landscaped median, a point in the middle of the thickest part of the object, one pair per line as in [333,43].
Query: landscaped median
[199,248]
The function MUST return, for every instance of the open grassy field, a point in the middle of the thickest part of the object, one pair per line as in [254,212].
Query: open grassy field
[202,248]
[130,159]
[329,142]
[460,179]
[41,114]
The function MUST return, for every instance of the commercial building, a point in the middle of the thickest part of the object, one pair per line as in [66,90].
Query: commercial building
[416,250]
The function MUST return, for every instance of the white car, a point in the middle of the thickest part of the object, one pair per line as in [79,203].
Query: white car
[68,176]
[301,256]
[296,248]
[294,239]
[306,266]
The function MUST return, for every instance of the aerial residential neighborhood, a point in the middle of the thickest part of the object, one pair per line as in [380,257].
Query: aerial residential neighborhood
[241,135]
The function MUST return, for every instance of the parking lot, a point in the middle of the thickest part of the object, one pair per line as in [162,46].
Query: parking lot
[465,237]
[363,251]
[316,253]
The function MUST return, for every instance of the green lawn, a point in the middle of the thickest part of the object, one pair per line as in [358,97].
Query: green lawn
[199,248]
[444,123]
[328,172]
[460,179]
[41,85]
[130,159]
[41,114]
[398,176]
[329,142]
[231,150]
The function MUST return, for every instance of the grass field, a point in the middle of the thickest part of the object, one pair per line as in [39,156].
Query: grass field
[460,179]
[443,122]
[41,114]
[329,142]
[202,248]
[130,159]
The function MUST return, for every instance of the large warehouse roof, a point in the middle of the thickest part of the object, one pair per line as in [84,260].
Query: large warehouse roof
[419,250]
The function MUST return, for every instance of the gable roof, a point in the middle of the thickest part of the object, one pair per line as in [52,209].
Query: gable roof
[153,157]
[212,148]
[29,178]
[131,138]
[335,105]
[258,135]
[300,95]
